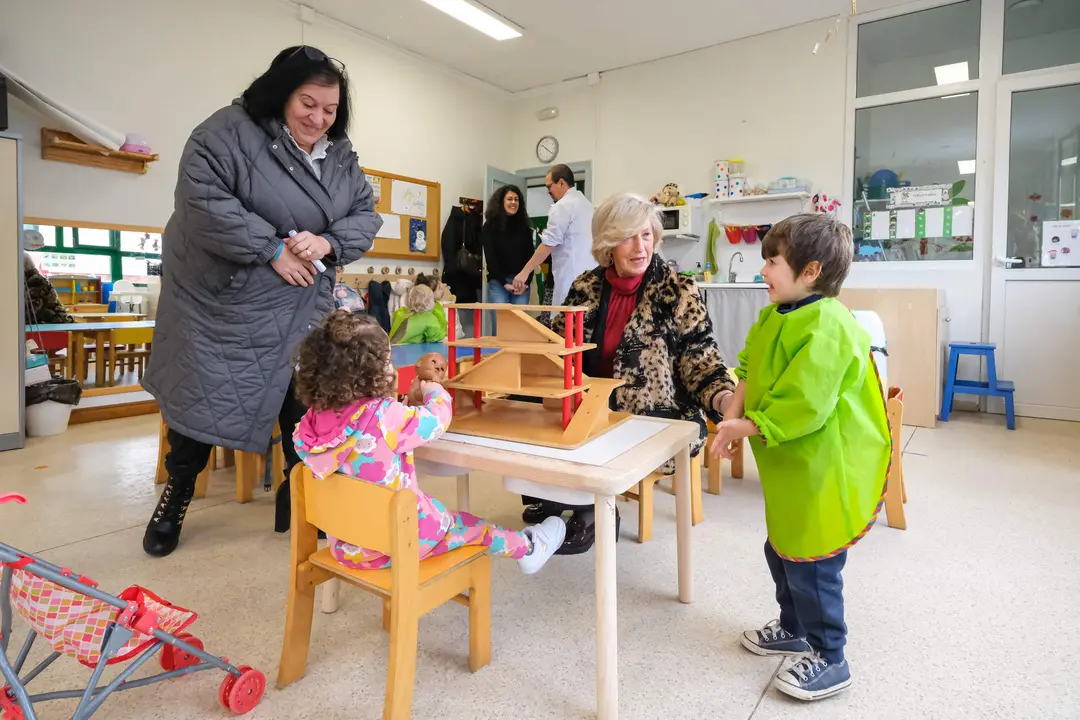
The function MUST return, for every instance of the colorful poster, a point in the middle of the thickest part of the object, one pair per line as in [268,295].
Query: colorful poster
[376,187]
[920,196]
[1061,243]
[417,235]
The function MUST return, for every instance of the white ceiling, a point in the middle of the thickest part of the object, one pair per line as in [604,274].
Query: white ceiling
[566,39]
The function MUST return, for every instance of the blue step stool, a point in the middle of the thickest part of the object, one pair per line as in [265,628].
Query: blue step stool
[993,387]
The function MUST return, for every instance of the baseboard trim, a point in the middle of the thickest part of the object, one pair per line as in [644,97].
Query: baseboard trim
[113,412]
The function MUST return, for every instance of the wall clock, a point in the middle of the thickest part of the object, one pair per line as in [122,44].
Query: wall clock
[547,149]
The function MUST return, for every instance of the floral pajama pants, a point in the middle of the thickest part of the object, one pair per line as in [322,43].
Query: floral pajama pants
[440,532]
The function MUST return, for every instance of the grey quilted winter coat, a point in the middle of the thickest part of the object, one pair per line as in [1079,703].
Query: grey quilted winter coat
[227,325]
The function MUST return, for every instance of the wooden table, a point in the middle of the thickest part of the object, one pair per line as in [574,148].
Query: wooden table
[605,482]
[79,333]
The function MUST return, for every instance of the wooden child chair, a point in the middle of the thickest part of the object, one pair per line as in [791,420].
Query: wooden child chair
[896,492]
[130,347]
[381,519]
[716,466]
[249,466]
[645,491]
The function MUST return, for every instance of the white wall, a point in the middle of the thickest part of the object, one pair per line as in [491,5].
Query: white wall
[176,63]
[768,99]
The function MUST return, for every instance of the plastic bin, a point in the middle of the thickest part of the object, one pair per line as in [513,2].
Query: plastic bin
[47,418]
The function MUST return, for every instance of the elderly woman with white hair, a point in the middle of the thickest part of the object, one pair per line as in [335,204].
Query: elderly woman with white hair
[651,330]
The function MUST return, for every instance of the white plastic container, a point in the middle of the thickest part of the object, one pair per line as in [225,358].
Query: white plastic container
[47,418]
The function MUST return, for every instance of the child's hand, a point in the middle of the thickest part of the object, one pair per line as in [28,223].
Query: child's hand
[426,384]
[729,432]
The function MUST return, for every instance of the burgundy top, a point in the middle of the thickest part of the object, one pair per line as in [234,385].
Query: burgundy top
[621,304]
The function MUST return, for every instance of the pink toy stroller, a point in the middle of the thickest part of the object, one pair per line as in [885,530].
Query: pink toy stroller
[98,629]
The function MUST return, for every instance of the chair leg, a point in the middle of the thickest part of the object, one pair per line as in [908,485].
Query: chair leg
[903,485]
[697,511]
[386,614]
[737,459]
[162,474]
[715,466]
[245,476]
[331,591]
[213,459]
[646,491]
[299,613]
[228,457]
[1010,415]
[277,472]
[480,614]
[463,493]
[202,481]
[404,628]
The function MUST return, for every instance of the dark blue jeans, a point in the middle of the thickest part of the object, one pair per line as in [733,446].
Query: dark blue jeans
[811,599]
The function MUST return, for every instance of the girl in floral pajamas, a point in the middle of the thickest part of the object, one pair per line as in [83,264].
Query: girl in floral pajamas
[356,427]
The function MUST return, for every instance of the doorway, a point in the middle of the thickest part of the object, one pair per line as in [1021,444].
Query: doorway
[538,204]
[1035,279]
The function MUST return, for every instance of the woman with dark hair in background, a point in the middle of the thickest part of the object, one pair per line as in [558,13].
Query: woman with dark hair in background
[507,238]
[267,187]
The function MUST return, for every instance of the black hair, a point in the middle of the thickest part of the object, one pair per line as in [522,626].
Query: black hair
[562,172]
[808,237]
[267,96]
[495,214]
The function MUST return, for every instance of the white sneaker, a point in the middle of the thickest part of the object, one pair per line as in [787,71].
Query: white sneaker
[547,537]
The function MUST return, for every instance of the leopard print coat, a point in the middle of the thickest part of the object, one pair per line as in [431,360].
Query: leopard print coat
[667,356]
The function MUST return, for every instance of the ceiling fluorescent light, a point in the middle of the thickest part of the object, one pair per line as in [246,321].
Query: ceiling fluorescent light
[1069,161]
[946,97]
[966,167]
[955,73]
[479,17]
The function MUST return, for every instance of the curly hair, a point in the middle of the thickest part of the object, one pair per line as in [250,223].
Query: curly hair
[495,210]
[345,359]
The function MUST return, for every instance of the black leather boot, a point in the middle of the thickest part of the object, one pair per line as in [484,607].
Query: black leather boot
[163,532]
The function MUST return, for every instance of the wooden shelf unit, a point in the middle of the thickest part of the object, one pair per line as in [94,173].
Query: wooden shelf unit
[75,290]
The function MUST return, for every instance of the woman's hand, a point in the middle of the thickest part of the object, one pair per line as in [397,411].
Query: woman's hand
[728,432]
[294,270]
[520,281]
[307,246]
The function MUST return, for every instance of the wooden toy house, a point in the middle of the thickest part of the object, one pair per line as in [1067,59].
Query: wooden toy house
[532,361]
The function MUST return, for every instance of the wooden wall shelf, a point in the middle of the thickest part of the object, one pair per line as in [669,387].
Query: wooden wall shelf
[65,147]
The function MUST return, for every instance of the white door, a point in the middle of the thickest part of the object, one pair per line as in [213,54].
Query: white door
[1035,280]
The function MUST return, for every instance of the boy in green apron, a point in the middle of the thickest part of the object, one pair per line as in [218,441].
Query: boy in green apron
[811,403]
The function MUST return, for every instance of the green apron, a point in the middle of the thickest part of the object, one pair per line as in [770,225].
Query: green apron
[824,447]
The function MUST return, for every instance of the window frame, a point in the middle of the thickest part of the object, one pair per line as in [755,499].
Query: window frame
[113,251]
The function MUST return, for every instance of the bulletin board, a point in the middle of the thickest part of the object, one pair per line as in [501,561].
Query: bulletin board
[410,209]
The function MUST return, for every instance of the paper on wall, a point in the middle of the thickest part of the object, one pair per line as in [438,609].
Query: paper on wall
[935,222]
[905,224]
[391,227]
[408,198]
[376,188]
[879,230]
[963,221]
[1061,243]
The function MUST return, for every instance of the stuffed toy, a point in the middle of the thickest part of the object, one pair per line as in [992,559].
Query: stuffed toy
[669,196]
[420,320]
[431,367]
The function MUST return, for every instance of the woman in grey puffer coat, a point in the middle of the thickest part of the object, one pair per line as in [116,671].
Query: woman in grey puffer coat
[239,291]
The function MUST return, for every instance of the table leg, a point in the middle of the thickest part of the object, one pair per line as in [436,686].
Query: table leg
[684,523]
[99,358]
[330,590]
[463,493]
[607,643]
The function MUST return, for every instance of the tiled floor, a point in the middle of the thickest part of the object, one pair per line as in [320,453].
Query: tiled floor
[967,614]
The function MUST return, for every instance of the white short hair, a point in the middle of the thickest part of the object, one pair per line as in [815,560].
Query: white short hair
[617,219]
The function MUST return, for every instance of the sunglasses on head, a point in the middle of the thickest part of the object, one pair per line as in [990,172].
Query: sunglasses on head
[316,55]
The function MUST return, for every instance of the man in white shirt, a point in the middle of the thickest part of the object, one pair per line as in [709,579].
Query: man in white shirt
[568,237]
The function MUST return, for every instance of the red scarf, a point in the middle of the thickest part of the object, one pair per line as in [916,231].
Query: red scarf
[621,304]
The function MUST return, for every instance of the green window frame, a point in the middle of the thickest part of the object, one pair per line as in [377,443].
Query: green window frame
[71,246]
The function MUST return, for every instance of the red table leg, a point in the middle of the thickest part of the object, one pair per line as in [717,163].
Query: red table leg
[568,370]
[579,328]
[451,351]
